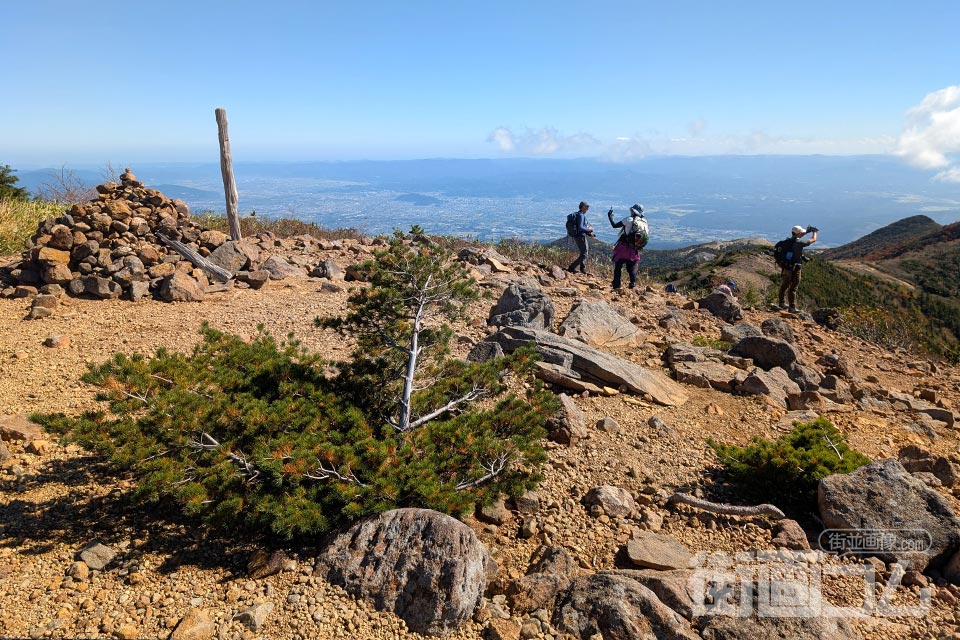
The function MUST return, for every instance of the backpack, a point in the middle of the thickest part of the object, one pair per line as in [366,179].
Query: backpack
[637,232]
[785,254]
[573,229]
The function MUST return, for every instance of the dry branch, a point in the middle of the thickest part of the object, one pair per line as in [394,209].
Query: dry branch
[726,509]
[196,259]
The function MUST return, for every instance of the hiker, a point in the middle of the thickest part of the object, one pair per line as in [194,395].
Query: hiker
[578,229]
[789,256]
[634,233]
[727,288]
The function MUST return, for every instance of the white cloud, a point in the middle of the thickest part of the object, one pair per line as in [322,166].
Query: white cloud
[932,134]
[541,142]
[549,141]
[948,175]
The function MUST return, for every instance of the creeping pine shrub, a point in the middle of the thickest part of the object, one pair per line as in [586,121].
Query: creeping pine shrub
[265,436]
[787,471]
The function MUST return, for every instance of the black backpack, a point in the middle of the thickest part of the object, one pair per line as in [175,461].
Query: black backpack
[785,253]
[573,229]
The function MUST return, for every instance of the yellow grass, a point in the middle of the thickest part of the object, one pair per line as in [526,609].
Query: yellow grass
[19,220]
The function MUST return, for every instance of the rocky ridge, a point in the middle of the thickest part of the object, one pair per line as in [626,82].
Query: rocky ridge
[587,530]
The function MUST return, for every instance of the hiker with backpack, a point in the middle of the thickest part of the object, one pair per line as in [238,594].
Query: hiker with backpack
[634,234]
[578,229]
[788,255]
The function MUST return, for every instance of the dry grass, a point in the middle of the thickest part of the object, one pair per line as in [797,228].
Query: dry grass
[282,227]
[19,220]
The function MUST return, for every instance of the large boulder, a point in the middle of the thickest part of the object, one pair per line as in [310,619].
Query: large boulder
[766,352]
[599,325]
[777,328]
[617,607]
[426,567]
[722,305]
[734,333]
[886,497]
[230,256]
[180,287]
[613,501]
[552,571]
[569,425]
[917,460]
[280,269]
[778,628]
[775,384]
[522,306]
[594,364]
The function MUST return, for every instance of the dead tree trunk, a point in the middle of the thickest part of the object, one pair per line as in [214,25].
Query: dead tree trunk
[226,168]
[219,273]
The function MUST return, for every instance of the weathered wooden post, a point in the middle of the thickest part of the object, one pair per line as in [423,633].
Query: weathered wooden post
[226,168]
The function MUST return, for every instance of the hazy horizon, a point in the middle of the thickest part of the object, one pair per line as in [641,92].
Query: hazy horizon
[688,199]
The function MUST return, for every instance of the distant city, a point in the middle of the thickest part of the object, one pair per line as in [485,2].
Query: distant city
[688,200]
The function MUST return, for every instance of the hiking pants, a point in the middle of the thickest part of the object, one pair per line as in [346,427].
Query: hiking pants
[631,266]
[581,260]
[789,281]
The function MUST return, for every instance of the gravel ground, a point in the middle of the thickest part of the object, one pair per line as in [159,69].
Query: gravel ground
[56,500]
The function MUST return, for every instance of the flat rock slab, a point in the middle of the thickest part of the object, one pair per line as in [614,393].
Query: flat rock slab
[599,325]
[586,360]
[709,375]
[656,551]
[18,427]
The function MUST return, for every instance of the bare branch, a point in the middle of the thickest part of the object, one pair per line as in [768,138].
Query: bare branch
[831,444]
[473,394]
[206,442]
[246,469]
[323,473]
[494,468]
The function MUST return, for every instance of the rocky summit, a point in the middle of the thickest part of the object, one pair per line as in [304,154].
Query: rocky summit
[602,549]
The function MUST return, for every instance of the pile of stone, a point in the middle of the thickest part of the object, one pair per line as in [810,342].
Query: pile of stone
[111,247]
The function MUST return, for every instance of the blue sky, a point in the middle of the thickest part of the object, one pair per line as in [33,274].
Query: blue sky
[90,82]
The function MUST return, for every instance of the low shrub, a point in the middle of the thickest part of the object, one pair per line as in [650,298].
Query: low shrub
[787,471]
[265,436]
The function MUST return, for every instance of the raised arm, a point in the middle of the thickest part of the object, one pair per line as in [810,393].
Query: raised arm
[613,224]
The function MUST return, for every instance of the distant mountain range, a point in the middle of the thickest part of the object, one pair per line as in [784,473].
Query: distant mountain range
[688,200]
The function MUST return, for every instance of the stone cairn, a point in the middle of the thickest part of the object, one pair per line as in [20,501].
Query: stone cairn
[110,248]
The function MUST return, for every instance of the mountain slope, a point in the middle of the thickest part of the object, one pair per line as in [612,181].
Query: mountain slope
[895,234]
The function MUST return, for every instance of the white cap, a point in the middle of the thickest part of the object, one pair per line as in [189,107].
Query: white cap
[798,230]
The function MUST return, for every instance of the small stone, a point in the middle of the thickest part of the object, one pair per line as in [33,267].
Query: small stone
[255,617]
[263,563]
[195,625]
[57,342]
[38,313]
[78,571]
[126,632]
[38,447]
[502,629]
[97,556]
[608,425]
